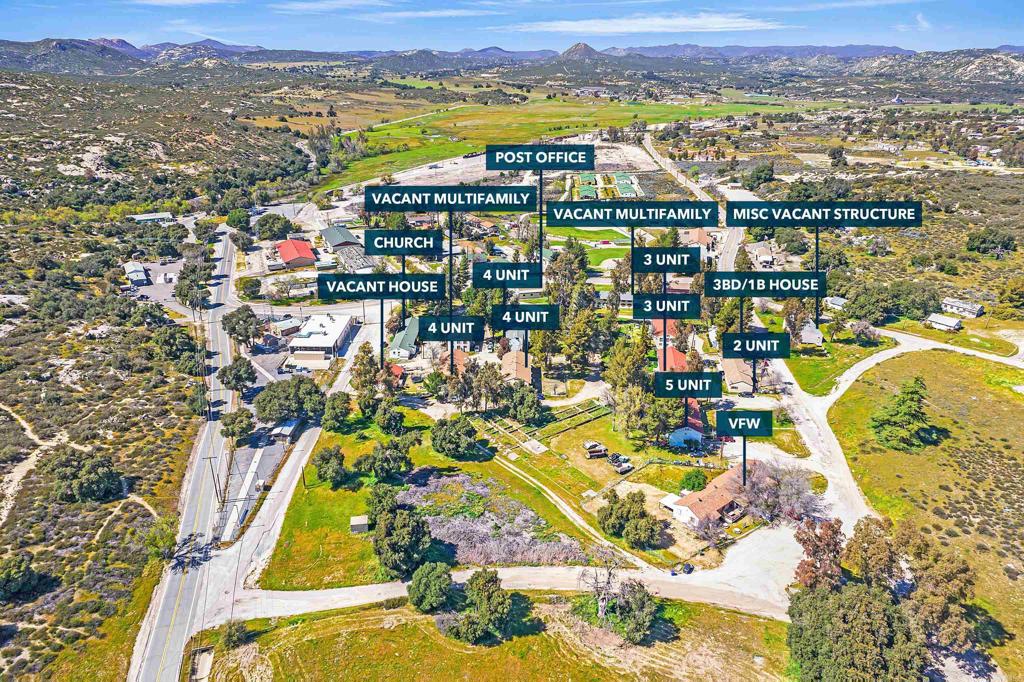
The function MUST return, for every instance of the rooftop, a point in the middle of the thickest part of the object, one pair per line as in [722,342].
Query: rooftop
[321,331]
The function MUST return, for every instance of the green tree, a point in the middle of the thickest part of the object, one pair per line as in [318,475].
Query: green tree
[337,409]
[400,540]
[759,175]
[235,634]
[523,404]
[577,340]
[454,437]
[898,423]
[635,609]
[82,476]
[431,587]
[273,226]
[238,219]
[242,326]
[17,577]
[383,499]
[493,605]
[330,466]
[298,397]
[190,293]
[643,532]
[196,400]
[870,552]
[388,459]
[238,375]
[694,480]
[249,287]
[388,417]
[857,634]
[161,539]
[235,426]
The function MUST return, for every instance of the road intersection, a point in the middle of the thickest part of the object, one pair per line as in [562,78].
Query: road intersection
[205,587]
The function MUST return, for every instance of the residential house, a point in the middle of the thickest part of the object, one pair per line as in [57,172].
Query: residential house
[835,302]
[162,217]
[514,366]
[673,361]
[739,377]
[403,345]
[721,500]
[809,334]
[698,237]
[962,308]
[445,361]
[943,322]
[675,327]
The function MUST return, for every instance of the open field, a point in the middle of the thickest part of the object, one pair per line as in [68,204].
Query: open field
[816,369]
[694,642]
[580,233]
[973,336]
[965,491]
[316,548]
[429,138]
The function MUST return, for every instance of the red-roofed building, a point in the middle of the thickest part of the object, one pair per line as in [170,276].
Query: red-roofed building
[675,361]
[295,253]
[674,327]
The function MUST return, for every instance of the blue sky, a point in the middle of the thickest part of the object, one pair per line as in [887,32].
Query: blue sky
[522,24]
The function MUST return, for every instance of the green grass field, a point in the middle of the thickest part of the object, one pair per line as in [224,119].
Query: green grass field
[965,490]
[476,125]
[581,233]
[316,548]
[816,369]
[375,643]
[974,337]
[597,256]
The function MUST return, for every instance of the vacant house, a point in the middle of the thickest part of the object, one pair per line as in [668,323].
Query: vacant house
[721,501]
[403,345]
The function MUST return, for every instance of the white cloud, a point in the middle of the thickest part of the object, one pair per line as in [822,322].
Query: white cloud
[321,6]
[836,4]
[702,22]
[427,14]
[920,24]
[179,3]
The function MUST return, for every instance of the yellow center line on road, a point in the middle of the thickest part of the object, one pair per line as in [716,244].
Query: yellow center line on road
[181,582]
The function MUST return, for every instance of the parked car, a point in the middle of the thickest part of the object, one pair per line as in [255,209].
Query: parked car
[623,468]
[617,458]
[687,568]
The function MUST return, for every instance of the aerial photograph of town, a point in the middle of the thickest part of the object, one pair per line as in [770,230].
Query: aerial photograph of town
[504,340]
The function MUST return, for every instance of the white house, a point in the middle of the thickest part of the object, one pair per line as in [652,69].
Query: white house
[943,322]
[835,302]
[962,308]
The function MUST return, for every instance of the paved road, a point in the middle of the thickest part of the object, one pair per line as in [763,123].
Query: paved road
[178,599]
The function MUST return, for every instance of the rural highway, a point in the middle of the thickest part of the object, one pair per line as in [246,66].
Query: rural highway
[177,600]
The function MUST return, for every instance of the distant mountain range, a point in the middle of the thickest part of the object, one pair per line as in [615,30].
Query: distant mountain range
[117,57]
[738,51]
